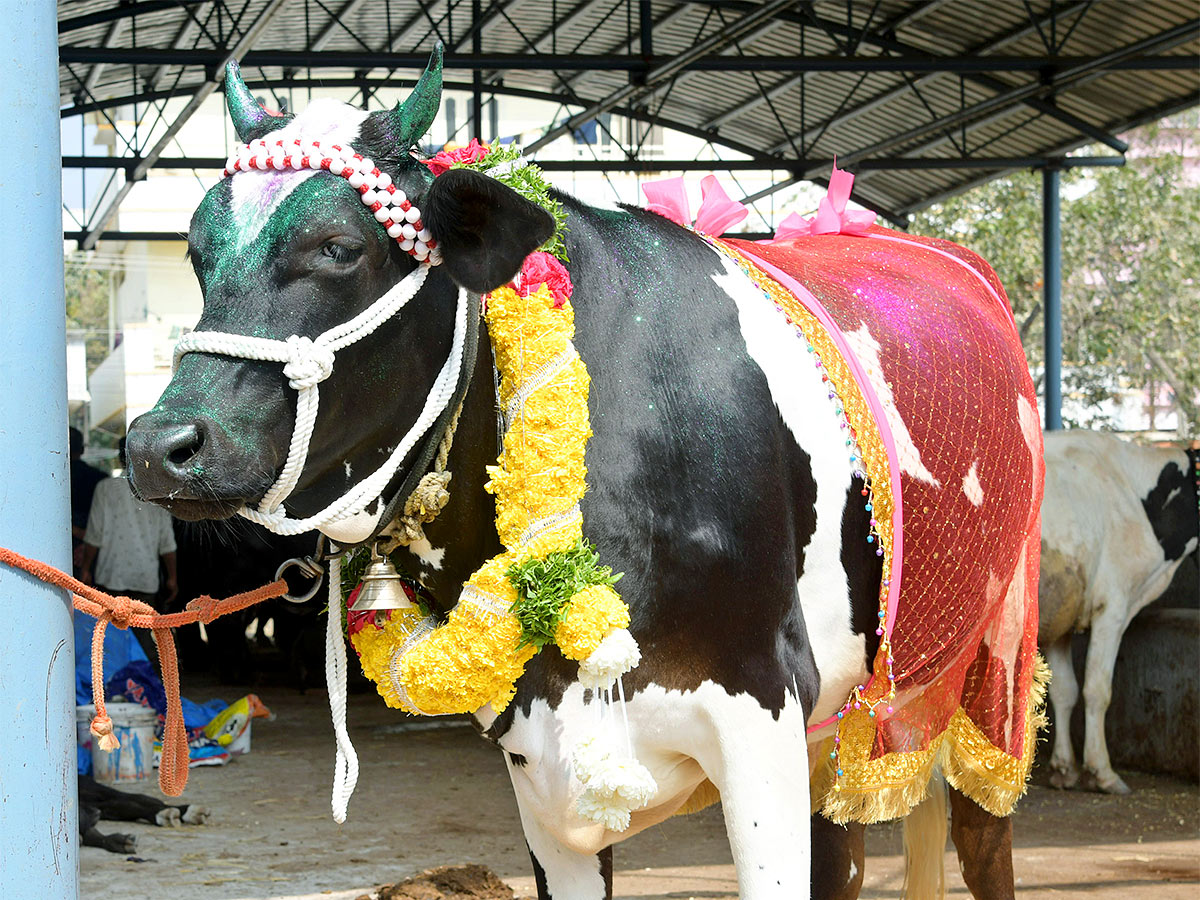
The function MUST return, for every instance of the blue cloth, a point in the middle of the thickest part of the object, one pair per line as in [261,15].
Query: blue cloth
[120,649]
[128,673]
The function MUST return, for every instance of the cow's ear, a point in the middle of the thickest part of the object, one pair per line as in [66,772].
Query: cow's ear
[484,229]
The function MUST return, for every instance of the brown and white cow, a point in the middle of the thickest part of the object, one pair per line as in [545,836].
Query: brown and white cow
[1118,519]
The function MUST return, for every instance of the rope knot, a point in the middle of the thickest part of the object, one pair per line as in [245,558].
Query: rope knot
[102,730]
[308,364]
[120,611]
[205,608]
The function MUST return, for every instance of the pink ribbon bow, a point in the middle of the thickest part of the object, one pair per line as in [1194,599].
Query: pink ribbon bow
[832,216]
[717,212]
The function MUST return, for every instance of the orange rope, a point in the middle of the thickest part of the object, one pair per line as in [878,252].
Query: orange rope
[124,612]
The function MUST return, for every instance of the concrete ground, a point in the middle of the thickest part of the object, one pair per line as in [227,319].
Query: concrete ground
[440,796]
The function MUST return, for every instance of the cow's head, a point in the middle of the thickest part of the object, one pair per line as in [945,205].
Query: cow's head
[295,253]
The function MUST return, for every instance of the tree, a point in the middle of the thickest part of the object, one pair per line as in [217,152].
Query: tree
[1131,273]
[86,291]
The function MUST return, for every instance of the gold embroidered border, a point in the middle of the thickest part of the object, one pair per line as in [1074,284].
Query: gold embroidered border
[874,790]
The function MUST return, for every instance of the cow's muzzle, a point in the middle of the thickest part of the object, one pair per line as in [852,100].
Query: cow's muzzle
[190,467]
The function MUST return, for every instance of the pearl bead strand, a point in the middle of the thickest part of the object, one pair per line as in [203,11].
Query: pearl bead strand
[400,218]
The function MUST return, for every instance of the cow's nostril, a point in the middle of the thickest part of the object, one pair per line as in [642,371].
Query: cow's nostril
[183,445]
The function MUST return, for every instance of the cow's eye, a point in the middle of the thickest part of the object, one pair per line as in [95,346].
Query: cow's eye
[339,252]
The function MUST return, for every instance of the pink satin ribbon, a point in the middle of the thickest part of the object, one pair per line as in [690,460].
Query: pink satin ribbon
[717,212]
[832,216]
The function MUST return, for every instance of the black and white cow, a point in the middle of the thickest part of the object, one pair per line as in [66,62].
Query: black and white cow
[719,483]
[1118,519]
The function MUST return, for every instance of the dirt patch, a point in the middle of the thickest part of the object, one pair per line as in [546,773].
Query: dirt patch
[433,793]
[447,883]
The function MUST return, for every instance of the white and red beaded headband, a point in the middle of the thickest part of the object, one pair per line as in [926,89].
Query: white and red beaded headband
[391,207]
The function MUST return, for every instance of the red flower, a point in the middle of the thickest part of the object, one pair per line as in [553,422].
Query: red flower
[541,268]
[441,162]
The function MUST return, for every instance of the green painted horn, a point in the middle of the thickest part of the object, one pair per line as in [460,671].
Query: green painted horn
[412,118]
[250,120]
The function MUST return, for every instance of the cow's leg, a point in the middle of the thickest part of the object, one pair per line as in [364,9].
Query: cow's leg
[984,845]
[563,873]
[1116,610]
[1103,645]
[761,770]
[604,858]
[1064,693]
[837,859]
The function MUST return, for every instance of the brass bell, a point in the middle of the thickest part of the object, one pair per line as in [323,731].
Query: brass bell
[381,587]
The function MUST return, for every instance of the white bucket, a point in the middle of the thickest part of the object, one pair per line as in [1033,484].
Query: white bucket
[133,725]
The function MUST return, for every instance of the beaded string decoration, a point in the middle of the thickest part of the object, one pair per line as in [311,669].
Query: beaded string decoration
[864,446]
[391,207]
[867,456]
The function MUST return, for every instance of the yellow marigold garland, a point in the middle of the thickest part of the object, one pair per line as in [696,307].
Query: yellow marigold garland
[476,657]
[547,584]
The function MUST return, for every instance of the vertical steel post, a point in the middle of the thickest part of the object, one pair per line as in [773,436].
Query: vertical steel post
[476,73]
[38,805]
[1052,294]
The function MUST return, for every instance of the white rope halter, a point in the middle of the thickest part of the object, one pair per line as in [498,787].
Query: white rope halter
[308,362]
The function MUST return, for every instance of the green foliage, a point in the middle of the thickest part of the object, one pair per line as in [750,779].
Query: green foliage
[1131,270]
[86,291]
[530,183]
[545,585]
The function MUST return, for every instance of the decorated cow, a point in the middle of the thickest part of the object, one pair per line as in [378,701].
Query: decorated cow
[1118,521]
[802,575]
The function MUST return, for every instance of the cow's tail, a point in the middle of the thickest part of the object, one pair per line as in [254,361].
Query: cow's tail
[925,845]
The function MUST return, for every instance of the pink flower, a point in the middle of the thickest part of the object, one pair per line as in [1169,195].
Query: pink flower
[441,162]
[541,268]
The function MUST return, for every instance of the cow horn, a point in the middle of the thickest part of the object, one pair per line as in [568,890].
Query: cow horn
[250,120]
[412,118]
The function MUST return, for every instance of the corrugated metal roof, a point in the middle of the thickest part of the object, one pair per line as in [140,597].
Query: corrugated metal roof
[1104,73]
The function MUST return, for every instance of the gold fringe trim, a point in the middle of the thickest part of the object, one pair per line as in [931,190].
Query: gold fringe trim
[970,762]
[704,796]
[875,790]
[990,777]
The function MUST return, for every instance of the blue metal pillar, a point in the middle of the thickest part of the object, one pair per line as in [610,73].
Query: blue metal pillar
[38,806]
[1052,295]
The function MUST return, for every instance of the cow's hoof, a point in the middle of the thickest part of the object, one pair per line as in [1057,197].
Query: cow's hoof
[120,843]
[196,814]
[168,817]
[1108,783]
[1063,777]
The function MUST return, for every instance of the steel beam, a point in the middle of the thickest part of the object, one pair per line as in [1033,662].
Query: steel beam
[779,164]
[244,43]
[402,34]
[120,11]
[93,75]
[1000,104]
[1052,296]
[664,71]
[581,62]
[333,26]
[39,829]
[1166,109]
[187,33]
[985,48]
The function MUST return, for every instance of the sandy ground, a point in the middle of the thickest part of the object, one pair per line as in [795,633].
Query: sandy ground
[432,796]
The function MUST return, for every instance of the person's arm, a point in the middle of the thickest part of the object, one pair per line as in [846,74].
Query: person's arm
[168,560]
[93,540]
[85,565]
